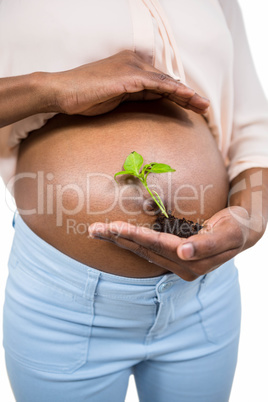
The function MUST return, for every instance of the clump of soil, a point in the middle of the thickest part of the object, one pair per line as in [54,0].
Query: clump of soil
[178,227]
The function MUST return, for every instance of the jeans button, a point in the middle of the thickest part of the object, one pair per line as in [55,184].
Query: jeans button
[165,286]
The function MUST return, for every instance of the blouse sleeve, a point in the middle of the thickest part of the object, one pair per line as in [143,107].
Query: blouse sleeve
[249,141]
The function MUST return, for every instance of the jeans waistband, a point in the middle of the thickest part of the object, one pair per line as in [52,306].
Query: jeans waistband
[31,248]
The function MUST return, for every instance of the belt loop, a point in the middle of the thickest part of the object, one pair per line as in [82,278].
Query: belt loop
[91,284]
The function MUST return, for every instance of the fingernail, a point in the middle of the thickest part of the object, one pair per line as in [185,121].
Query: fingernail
[94,235]
[187,250]
[206,99]
[191,89]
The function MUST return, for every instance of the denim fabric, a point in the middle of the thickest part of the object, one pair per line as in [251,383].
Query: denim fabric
[74,333]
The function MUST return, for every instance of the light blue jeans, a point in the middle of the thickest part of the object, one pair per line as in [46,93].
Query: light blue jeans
[74,333]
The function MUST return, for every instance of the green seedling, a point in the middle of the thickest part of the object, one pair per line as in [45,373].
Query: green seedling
[133,166]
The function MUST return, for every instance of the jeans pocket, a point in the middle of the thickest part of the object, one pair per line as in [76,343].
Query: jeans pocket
[220,308]
[45,328]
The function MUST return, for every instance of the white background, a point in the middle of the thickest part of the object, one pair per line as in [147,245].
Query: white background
[250,383]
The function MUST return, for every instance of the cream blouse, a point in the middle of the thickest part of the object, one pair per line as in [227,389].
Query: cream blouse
[203,43]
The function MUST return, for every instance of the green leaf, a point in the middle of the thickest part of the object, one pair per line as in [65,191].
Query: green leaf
[124,172]
[133,163]
[159,168]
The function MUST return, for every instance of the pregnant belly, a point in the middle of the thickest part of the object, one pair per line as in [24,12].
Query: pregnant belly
[66,178]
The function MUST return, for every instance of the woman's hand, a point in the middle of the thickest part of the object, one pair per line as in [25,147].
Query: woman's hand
[224,235]
[92,89]
[99,87]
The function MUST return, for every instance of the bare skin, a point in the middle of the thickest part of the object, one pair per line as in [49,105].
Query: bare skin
[84,153]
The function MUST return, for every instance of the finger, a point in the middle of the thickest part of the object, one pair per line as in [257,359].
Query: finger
[198,102]
[187,105]
[181,93]
[116,237]
[160,243]
[223,237]
[206,265]
[147,95]
[162,83]
[195,109]
[195,103]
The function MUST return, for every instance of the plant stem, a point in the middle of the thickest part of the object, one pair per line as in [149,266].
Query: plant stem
[153,197]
